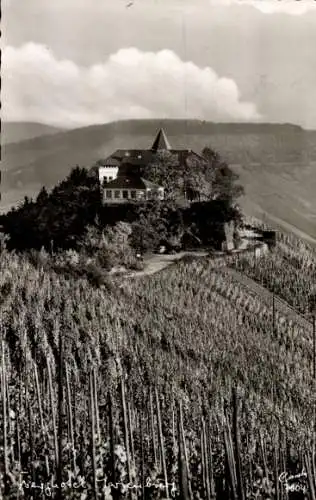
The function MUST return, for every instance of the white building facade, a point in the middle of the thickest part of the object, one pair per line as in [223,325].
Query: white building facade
[107,174]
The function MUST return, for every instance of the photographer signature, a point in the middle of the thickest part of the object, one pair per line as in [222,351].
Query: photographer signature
[294,482]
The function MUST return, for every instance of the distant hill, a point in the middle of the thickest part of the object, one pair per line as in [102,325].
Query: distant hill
[22,131]
[276,163]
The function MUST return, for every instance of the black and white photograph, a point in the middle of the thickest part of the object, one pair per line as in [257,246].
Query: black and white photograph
[158,250]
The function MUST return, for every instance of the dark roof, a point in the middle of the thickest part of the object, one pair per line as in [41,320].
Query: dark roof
[142,157]
[130,182]
[139,156]
[161,142]
[145,156]
[136,161]
[111,162]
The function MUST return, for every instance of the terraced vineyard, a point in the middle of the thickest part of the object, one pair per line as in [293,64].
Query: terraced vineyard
[289,272]
[135,381]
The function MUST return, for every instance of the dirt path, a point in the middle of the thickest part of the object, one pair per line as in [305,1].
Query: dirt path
[158,262]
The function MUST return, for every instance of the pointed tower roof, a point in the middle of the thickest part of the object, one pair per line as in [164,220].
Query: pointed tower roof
[161,141]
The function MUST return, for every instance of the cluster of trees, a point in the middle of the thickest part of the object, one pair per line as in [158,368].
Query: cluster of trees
[57,219]
[200,178]
[62,218]
[176,226]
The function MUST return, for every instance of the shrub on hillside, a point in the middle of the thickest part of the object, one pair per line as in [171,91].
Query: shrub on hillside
[158,223]
[3,242]
[206,220]
[69,257]
[111,247]
[98,252]
[39,259]
[94,274]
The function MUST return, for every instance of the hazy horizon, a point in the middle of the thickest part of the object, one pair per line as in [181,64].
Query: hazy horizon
[65,129]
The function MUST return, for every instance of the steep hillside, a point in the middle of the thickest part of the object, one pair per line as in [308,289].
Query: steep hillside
[191,333]
[276,163]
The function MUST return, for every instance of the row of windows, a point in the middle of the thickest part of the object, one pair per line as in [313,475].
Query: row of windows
[117,194]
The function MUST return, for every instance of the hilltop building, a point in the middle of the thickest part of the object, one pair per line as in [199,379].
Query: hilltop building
[120,175]
[131,187]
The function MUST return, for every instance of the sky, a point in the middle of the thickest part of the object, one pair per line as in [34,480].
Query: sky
[73,63]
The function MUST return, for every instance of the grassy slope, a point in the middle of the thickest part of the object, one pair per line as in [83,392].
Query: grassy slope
[276,163]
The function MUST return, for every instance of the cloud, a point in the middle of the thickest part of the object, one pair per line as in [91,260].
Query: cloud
[129,84]
[290,7]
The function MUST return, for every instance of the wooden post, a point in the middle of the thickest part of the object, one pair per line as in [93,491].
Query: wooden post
[314,383]
[182,466]
[186,456]
[59,471]
[70,420]
[312,313]
[142,455]
[126,433]
[96,404]
[276,470]
[206,461]
[114,492]
[161,441]
[307,464]
[314,346]
[236,436]
[4,417]
[152,422]
[31,441]
[273,313]
[52,405]
[93,447]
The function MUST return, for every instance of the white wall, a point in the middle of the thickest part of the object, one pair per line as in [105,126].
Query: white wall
[106,172]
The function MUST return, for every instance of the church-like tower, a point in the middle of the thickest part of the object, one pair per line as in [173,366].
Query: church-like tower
[161,142]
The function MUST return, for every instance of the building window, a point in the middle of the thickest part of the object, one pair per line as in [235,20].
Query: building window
[117,194]
[125,194]
[133,195]
[108,193]
[110,178]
